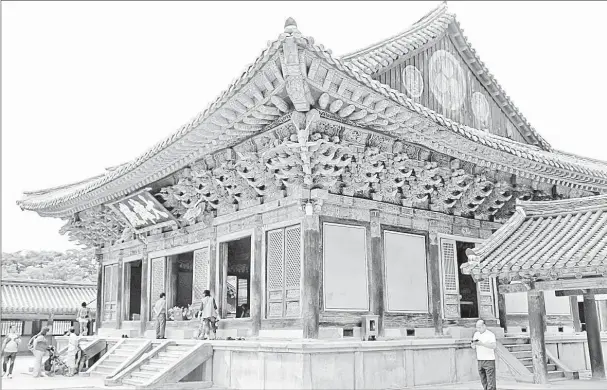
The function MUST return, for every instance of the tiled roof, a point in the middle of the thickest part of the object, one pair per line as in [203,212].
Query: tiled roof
[198,138]
[427,30]
[546,240]
[43,297]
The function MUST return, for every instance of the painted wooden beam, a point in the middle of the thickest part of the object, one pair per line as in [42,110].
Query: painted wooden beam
[567,293]
[377,303]
[557,285]
[535,301]
[311,276]
[593,334]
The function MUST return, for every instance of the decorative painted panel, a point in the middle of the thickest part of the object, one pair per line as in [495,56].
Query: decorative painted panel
[448,256]
[158,276]
[283,272]
[202,275]
[439,78]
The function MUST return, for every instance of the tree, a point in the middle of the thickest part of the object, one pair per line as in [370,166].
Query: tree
[77,265]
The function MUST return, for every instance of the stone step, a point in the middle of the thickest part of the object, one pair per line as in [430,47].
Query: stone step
[555,375]
[151,369]
[170,355]
[518,347]
[143,375]
[514,340]
[132,381]
[521,354]
[180,348]
[549,366]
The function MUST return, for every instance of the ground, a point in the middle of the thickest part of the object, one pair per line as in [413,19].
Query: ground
[22,380]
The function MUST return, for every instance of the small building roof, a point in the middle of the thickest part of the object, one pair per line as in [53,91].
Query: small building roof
[45,297]
[546,240]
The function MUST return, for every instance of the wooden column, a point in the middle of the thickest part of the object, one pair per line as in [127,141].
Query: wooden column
[435,284]
[99,306]
[535,300]
[222,266]
[213,265]
[593,335]
[501,307]
[145,292]
[312,261]
[256,293]
[377,304]
[120,295]
[602,305]
[575,313]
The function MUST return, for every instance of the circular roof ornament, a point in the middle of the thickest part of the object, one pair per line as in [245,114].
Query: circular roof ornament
[480,109]
[413,81]
[447,80]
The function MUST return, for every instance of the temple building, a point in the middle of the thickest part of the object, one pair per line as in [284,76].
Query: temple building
[316,190]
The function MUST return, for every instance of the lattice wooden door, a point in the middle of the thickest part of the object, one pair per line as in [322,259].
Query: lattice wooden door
[157,282]
[110,293]
[202,275]
[486,301]
[283,270]
[450,279]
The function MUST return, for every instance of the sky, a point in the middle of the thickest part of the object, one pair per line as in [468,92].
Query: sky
[90,85]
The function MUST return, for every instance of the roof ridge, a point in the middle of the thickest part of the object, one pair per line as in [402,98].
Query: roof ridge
[431,16]
[39,192]
[573,205]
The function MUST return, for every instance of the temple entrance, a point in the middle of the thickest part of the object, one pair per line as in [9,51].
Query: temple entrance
[468,293]
[462,296]
[237,272]
[181,279]
[133,287]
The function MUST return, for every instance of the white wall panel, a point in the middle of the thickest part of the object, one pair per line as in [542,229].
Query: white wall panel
[345,267]
[406,276]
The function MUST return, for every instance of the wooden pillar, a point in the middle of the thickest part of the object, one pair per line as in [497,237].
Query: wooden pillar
[312,261]
[377,304]
[99,306]
[535,300]
[255,286]
[501,307]
[119,296]
[433,267]
[213,266]
[602,305]
[145,294]
[222,267]
[575,313]
[593,335]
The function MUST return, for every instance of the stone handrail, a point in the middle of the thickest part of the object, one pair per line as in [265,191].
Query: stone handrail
[569,373]
[116,380]
[519,371]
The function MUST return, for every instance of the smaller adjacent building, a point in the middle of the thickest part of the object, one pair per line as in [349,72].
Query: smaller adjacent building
[30,305]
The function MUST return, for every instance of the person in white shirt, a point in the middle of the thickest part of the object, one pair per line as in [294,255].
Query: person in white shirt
[484,343]
[83,319]
[10,347]
[160,314]
[73,342]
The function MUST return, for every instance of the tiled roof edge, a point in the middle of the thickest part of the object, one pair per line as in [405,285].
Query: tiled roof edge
[567,206]
[47,283]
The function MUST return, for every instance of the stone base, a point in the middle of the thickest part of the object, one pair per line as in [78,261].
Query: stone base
[460,332]
[110,332]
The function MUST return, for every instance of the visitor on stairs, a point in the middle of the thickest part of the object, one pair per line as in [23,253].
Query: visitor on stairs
[10,347]
[39,347]
[83,319]
[160,314]
[208,315]
[484,343]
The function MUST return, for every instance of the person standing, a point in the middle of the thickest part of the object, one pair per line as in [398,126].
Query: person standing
[40,346]
[73,342]
[83,319]
[160,314]
[10,347]
[484,343]
[208,310]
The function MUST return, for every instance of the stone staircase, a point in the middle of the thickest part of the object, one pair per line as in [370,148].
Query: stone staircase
[167,362]
[520,347]
[121,355]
